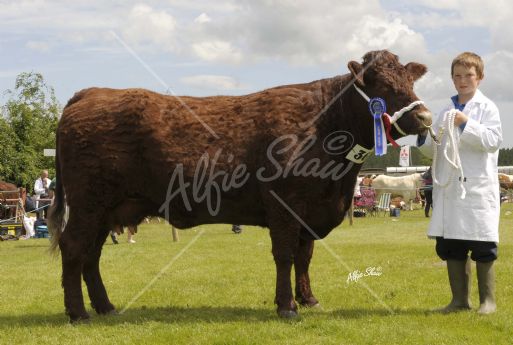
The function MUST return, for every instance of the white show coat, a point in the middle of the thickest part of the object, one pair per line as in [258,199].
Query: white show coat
[476,217]
[39,188]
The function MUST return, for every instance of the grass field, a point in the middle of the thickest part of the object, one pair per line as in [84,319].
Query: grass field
[215,287]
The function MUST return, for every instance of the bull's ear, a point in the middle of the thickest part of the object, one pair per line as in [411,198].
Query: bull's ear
[357,72]
[416,70]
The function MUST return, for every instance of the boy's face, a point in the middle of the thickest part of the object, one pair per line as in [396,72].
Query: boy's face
[465,80]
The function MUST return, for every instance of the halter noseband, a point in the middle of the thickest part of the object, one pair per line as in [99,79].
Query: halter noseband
[397,115]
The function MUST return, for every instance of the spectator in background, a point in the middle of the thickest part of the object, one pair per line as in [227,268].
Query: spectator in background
[357,192]
[41,190]
[428,191]
[51,188]
[113,236]
[131,231]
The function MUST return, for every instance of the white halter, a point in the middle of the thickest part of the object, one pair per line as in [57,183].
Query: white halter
[397,115]
[451,144]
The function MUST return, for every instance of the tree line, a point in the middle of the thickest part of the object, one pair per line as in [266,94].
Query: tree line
[506,157]
[391,159]
[28,123]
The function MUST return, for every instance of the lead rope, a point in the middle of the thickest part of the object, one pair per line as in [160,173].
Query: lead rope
[447,128]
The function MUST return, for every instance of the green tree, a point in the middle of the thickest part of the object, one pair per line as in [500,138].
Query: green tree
[391,159]
[7,148]
[506,157]
[30,118]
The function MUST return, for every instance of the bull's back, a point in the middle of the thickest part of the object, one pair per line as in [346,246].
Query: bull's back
[129,142]
[191,126]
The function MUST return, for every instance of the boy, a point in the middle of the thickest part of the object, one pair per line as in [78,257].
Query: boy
[466,216]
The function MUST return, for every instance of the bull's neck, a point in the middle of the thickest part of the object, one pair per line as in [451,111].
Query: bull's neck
[349,112]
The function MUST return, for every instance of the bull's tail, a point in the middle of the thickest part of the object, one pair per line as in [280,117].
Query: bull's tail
[56,220]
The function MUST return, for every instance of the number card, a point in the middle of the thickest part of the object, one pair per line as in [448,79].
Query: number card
[358,154]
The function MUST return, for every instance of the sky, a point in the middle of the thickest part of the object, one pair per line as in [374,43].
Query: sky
[227,47]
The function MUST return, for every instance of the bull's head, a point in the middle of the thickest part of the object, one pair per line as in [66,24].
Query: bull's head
[382,75]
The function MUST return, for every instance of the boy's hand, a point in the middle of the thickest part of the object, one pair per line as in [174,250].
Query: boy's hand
[460,118]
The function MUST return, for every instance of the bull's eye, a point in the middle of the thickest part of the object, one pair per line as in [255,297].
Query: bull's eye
[391,65]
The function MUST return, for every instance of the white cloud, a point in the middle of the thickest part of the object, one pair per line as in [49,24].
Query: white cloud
[493,16]
[433,86]
[213,82]
[441,4]
[505,110]
[299,32]
[378,33]
[147,26]
[498,75]
[17,9]
[202,18]
[221,6]
[38,46]
[10,74]
[217,50]
[305,32]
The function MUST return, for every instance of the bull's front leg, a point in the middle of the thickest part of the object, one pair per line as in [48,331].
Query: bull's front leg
[284,245]
[304,295]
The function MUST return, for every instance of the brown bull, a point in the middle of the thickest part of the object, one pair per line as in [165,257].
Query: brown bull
[6,186]
[9,196]
[285,158]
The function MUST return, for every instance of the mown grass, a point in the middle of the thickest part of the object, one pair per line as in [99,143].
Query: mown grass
[220,290]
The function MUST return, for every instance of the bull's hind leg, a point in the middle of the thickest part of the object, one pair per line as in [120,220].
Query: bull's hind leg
[73,246]
[302,259]
[91,272]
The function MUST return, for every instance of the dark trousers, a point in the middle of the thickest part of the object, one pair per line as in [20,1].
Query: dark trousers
[449,249]
[428,193]
[43,213]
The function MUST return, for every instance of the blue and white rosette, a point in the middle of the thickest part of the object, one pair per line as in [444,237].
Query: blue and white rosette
[377,108]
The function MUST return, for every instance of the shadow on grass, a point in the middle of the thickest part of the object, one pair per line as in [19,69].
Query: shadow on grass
[31,246]
[192,315]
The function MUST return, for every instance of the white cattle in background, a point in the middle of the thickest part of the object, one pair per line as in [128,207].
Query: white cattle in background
[404,186]
[505,177]
[506,181]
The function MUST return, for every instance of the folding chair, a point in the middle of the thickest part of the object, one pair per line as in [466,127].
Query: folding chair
[384,203]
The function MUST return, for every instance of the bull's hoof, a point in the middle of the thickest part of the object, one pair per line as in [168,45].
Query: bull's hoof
[312,306]
[310,302]
[109,312]
[77,320]
[107,309]
[288,314]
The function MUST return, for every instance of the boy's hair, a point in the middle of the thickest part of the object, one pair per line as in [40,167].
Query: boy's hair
[468,60]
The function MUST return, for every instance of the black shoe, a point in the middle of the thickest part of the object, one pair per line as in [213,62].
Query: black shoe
[114,239]
[236,229]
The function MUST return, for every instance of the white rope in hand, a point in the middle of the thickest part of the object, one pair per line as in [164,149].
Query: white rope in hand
[450,148]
